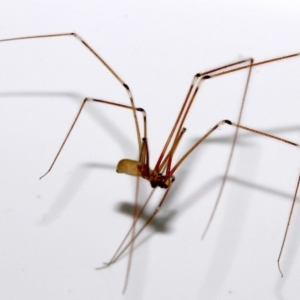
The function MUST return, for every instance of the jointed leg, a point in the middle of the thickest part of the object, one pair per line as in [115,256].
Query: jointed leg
[77,116]
[120,251]
[257,132]
[188,101]
[99,58]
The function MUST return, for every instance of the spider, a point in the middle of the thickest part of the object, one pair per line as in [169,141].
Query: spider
[162,175]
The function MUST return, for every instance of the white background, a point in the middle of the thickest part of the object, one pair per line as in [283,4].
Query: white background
[54,232]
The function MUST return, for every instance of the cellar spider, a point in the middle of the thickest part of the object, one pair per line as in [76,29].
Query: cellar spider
[162,175]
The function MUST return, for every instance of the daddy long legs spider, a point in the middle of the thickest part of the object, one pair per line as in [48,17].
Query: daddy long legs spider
[163,174]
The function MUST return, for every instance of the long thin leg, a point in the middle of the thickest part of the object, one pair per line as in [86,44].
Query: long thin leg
[142,228]
[144,159]
[253,65]
[288,225]
[232,124]
[295,194]
[77,116]
[113,259]
[188,101]
[120,251]
[99,58]
[260,133]
[131,248]
[230,154]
